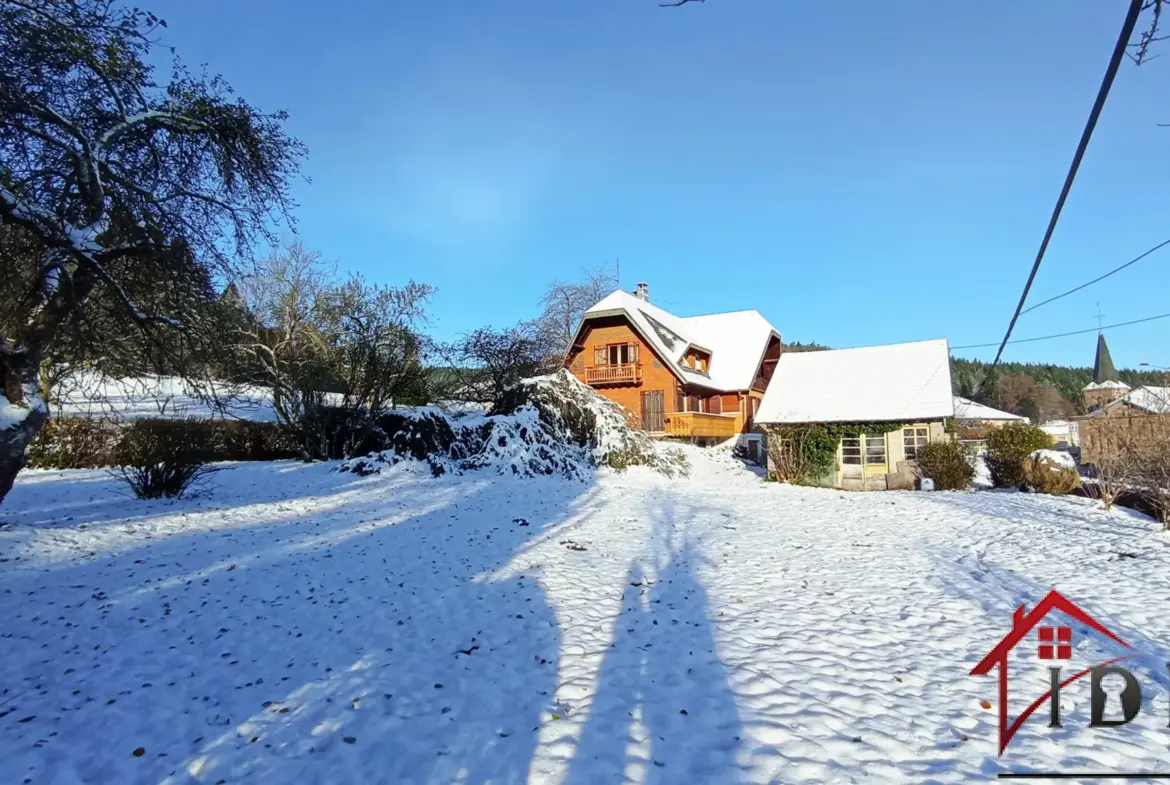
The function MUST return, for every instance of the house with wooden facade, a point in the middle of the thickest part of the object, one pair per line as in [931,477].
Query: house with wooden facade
[903,391]
[697,377]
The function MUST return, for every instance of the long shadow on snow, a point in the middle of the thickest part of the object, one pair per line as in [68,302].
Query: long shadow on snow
[378,640]
[663,669]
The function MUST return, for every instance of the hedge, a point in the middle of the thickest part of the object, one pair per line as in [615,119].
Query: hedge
[84,443]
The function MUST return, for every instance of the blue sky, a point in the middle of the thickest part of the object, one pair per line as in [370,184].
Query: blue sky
[859,172]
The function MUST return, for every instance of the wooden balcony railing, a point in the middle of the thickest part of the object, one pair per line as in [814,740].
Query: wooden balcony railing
[700,424]
[625,373]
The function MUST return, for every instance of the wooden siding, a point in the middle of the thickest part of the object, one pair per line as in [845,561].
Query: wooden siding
[654,374]
[767,365]
[697,424]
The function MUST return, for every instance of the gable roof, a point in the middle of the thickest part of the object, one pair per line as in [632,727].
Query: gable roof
[895,383]
[966,409]
[1155,400]
[736,341]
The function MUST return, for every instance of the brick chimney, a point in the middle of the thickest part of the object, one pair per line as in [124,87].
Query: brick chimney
[643,291]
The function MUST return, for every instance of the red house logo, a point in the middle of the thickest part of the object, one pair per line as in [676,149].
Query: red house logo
[1054,645]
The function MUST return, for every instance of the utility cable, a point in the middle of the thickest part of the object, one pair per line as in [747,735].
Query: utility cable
[1131,16]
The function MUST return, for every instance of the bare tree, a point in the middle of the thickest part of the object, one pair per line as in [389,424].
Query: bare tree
[1152,474]
[1013,389]
[334,354]
[1116,468]
[105,171]
[376,344]
[1050,404]
[286,298]
[563,305]
[491,361]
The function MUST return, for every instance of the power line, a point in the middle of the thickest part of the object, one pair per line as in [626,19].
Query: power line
[1135,7]
[1063,335]
[1162,244]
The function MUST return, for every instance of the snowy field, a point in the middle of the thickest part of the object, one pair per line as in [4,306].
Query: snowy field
[297,625]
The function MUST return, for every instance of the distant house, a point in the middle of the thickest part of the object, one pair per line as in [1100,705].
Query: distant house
[1144,400]
[697,377]
[968,412]
[1118,415]
[903,388]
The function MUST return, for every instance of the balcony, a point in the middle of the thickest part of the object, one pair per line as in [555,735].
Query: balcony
[624,373]
[687,424]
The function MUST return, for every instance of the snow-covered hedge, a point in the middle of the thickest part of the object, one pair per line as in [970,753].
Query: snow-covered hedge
[1051,471]
[548,425]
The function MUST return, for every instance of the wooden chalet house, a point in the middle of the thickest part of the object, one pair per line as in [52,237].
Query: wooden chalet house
[698,377]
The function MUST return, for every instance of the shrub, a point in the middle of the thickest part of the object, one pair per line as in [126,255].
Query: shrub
[1008,447]
[949,463]
[1051,471]
[242,440]
[1153,473]
[74,443]
[84,443]
[158,458]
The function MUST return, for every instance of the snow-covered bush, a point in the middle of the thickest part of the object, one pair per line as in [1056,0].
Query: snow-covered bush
[1051,471]
[158,458]
[548,425]
[949,463]
[1008,447]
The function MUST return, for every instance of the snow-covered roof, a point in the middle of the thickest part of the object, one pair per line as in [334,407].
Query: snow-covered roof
[1106,385]
[736,341]
[966,409]
[900,382]
[1155,400]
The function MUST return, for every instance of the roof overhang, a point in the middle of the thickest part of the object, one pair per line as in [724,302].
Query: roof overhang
[608,312]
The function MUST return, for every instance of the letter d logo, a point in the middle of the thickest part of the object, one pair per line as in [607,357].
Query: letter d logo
[1131,696]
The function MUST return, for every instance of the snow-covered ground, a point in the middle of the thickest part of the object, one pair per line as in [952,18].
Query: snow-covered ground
[294,624]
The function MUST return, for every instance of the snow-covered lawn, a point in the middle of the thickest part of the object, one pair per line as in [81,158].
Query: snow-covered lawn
[298,625]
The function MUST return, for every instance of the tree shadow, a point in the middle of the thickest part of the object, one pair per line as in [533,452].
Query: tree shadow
[662,710]
[338,631]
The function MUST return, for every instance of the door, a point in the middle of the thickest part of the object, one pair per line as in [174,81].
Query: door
[876,463]
[654,411]
[863,462]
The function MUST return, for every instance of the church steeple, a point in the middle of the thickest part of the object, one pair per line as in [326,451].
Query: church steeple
[1103,370]
[1106,386]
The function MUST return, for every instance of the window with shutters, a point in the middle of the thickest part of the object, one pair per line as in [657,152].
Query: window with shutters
[620,354]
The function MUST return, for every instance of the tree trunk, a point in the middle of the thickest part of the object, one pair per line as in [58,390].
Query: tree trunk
[22,413]
[14,442]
